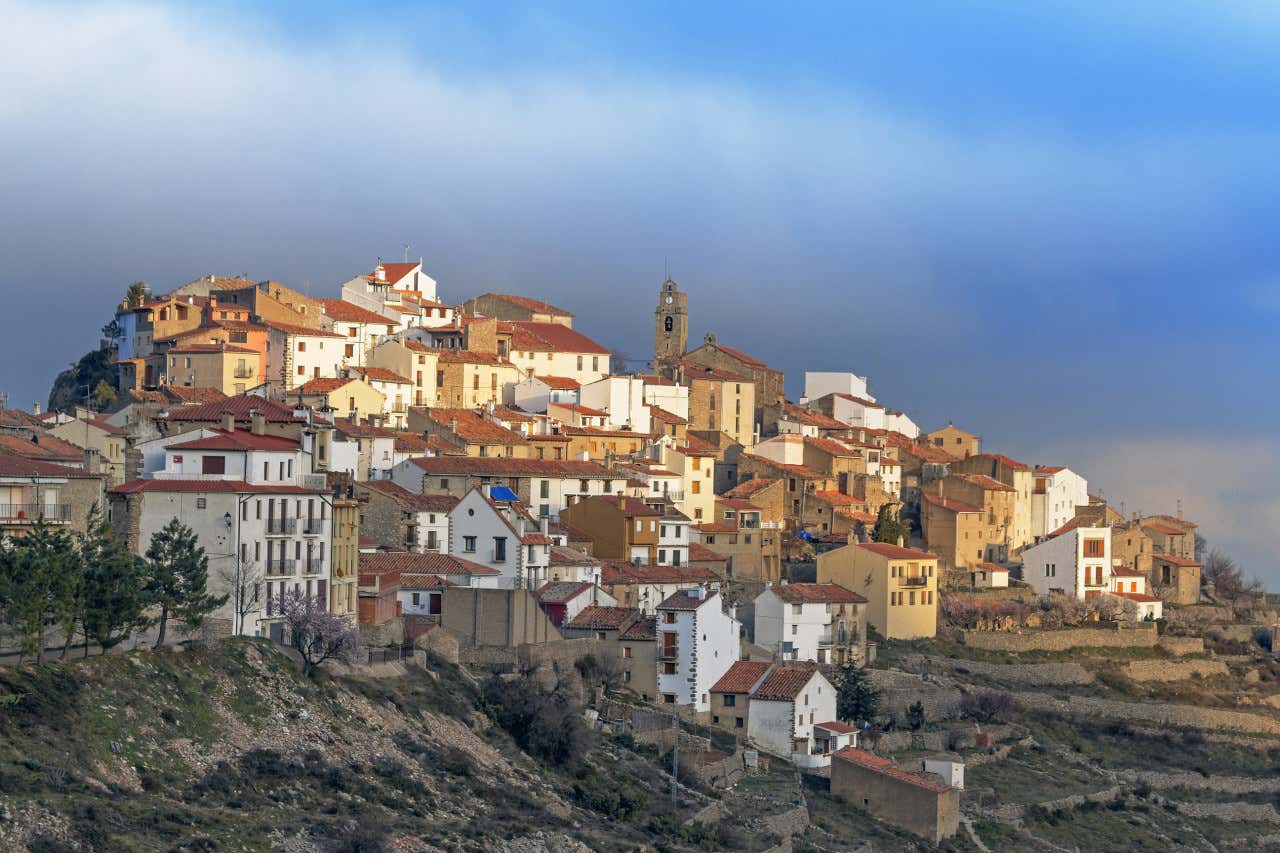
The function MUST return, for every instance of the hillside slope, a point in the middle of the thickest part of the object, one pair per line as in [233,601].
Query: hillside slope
[229,748]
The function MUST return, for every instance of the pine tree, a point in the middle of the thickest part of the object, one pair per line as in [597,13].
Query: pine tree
[113,586]
[856,699]
[41,586]
[179,572]
[888,528]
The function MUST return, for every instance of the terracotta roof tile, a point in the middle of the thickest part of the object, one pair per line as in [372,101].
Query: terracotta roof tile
[596,617]
[954,506]
[421,564]
[560,383]
[381,374]
[816,593]
[885,767]
[682,600]
[238,440]
[421,503]
[895,552]
[622,572]
[783,683]
[699,553]
[535,305]
[741,677]
[346,312]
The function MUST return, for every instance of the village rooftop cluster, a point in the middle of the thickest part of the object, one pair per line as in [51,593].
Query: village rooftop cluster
[485,468]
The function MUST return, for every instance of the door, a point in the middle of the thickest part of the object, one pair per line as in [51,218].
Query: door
[276,632]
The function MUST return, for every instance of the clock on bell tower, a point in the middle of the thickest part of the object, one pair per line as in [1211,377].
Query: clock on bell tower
[670,327]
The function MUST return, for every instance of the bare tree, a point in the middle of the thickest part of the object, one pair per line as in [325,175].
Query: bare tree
[317,634]
[242,579]
[1229,583]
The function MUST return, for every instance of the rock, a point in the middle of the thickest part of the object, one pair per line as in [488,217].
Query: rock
[1252,677]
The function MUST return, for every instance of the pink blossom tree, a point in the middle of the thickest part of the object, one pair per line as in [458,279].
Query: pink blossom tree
[317,634]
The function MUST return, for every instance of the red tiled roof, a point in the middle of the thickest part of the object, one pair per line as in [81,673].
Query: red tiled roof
[1166,529]
[304,331]
[816,593]
[659,413]
[421,564]
[835,498]
[829,446]
[992,567]
[868,404]
[621,572]
[1126,572]
[579,409]
[535,305]
[1176,522]
[630,507]
[421,503]
[641,629]
[1052,469]
[1012,464]
[560,383]
[954,506]
[408,442]
[741,676]
[239,406]
[48,448]
[987,483]
[238,440]
[194,394]
[466,356]
[895,552]
[737,503]
[694,371]
[856,515]
[211,486]
[838,728]
[412,581]
[491,466]
[564,555]
[1137,596]
[381,374]
[885,767]
[810,417]
[345,312]
[18,466]
[1077,521]
[798,470]
[559,592]
[323,385]
[925,452]
[598,617]
[682,600]
[750,487]
[474,428]
[699,553]
[783,683]
[532,336]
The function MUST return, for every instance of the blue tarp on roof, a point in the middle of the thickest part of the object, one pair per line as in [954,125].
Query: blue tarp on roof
[502,493]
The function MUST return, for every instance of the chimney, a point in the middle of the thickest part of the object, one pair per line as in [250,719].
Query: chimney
[258,422]
[92,462]
[453,425]
[228,422]
[520,526]
[35,408]
[191,300]
[900,543]
[544,525]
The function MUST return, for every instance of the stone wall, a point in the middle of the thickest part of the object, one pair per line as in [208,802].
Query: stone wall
[1186,716]
[389,633]
[1182,645]
[1032,674]
[1173,670]
[901,690]
[1062,640]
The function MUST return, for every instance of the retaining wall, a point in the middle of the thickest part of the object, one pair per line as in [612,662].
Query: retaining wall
[1061,640]
[1173,670]
[1186,716]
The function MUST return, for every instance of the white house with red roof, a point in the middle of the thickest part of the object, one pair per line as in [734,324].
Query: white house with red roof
[361,328]
[491,527]
[296,354]
[1133,588]
[263,520]
[553,349]
[821,622]
[820,383]
[697,643]
[786,707]
[535,393]
[1076,563]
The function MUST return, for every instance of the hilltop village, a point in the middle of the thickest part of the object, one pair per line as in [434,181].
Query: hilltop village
[484,481]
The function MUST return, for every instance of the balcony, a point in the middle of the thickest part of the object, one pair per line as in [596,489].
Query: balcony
[674,495]
[278,568]
[281,526]
[313,567]
[30,513]
[312,526]
[243,373]
[399,408]
[915,580]
[668,652]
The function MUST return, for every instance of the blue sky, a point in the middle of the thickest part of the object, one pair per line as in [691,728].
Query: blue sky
[1053,224]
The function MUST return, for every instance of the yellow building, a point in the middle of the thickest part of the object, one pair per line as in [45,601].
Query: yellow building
[343,598]
[900,585]
[466,379]
[347,397]
[720,401]
[229,368]
[99,436]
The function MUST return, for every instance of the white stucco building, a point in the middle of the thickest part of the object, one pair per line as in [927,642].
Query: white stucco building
[786,707]
[1076,563]
[500,534]
[535,393]
[697,643]
[1055,494]
[821,383]
[821,622]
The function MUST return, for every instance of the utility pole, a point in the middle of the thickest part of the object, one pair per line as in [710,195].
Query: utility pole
[675,763]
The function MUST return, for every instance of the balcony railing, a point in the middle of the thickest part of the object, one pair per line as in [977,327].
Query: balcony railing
[771,525]
[674,495]
[280,567]
[399,408]
[667,653]
[25,513]
[916,580]
[281,526]
[312,526]
[243,373]
[313,567]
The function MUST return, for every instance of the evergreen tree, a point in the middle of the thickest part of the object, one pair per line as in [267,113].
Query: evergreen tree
[113,586]
[137,293]
[41,583]
[856,699]
[179,573]
[104,394]
[888,528]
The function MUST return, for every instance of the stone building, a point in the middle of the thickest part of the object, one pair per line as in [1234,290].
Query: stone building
[918,804]
[670,327]
[768,382]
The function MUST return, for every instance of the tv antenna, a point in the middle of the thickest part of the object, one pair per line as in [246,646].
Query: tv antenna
[406,253]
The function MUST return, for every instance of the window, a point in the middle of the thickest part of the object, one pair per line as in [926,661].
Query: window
[669,617]
[626,652]
[639,525]
[579,362]
[469,544]
[669,668]
[417,597]
[544,489]
[669,698]
[210,464]
[200,503]
[696,487]
[302,346]
[499,549]
[730,700]
[738,722]
[1094,547]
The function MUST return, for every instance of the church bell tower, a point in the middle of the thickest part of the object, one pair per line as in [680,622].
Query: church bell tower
[670,327]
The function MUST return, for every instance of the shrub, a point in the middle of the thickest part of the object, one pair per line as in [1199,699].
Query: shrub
[546,725]
[989,707]
[915,716]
